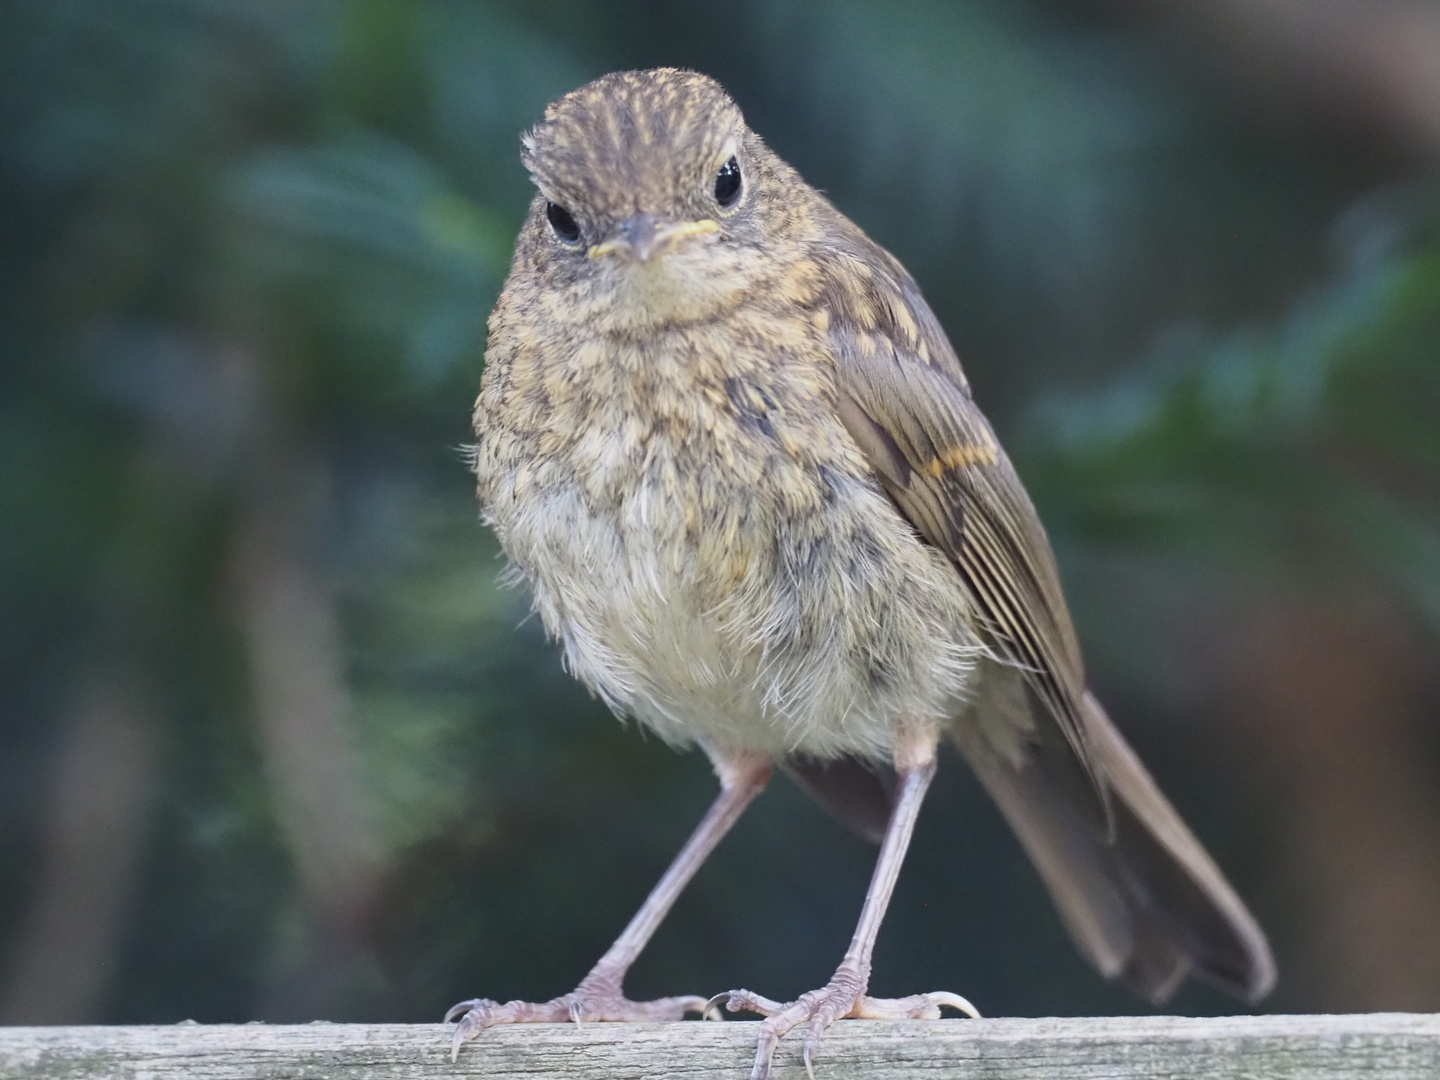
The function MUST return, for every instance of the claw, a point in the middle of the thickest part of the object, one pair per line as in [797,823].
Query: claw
[463,1007]
[692,1004]
[955,1001]
[575,1014]
[810,1042]
[711,1011]
[466,1029]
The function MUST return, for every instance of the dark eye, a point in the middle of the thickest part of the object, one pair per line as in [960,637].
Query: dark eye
[727,183]
[561,221]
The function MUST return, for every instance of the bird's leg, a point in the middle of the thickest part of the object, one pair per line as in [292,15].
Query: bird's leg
[844,995]
[599,995]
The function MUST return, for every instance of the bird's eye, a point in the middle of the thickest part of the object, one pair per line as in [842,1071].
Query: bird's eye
[561,221]
[727,183]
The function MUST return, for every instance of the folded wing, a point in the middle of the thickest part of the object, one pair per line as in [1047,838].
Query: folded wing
[1138,893]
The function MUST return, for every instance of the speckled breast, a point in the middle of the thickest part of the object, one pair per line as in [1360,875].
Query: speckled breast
[709,546]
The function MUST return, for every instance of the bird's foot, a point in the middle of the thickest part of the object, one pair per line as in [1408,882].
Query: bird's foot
[843,997]
[599,1000]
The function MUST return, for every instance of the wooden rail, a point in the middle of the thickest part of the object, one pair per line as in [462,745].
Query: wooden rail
[1379,1046]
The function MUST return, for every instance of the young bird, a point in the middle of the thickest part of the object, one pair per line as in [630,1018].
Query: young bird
[726,443]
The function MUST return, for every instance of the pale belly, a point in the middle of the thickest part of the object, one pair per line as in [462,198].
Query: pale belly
[796,613]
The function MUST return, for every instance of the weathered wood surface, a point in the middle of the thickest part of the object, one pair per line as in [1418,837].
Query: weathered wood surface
[1392,1046]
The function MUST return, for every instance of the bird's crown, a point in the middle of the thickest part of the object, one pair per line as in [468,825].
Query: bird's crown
[633,141]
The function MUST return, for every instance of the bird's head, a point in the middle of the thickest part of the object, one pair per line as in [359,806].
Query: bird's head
[651,197]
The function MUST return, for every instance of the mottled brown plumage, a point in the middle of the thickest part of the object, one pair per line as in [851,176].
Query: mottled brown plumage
[729,447]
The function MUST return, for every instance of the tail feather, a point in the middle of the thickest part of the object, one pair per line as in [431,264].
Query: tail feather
[856,793]
[1182,888]
[1140,897]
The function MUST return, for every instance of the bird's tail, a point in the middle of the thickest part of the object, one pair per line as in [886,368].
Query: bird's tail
[1140,896]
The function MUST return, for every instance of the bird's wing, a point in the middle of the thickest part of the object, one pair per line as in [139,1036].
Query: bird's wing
[1138,893]
[905,402]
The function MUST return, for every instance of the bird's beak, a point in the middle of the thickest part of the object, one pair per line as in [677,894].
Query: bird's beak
[642,235]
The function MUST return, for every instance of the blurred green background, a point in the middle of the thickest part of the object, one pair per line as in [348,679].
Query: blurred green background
[273,744]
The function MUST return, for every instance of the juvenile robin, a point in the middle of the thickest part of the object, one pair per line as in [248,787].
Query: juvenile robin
[726,443]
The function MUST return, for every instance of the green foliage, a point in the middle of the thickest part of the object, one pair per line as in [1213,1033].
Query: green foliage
[1307,445]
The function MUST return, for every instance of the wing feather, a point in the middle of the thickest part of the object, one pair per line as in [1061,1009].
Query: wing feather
[937,456]
[1137,891]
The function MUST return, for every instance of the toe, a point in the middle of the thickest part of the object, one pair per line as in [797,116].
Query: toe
[470,1025]
[818,1007]
[475,1017]
[917,1007]
[765,1049]
[813,1031]
[462,1007]
[743,1001]
[677,1008]
[621,1008]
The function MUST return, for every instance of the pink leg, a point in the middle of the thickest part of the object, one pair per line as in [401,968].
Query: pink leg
[599,995]
[844,995]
